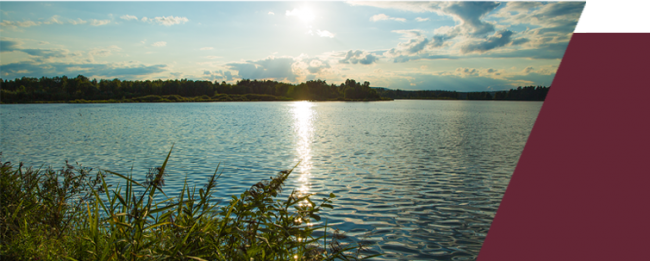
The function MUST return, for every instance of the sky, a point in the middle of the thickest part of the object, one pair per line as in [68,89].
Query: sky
[460,46]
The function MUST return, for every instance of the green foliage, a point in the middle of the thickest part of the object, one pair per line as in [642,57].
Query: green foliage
[71,214]
[423,95]
[528,93]
[40,209]
[83,90]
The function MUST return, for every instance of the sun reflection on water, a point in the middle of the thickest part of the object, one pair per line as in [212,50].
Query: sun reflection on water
[303,115]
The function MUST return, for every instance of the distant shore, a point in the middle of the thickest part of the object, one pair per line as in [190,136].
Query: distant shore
[84,90]
[203,98]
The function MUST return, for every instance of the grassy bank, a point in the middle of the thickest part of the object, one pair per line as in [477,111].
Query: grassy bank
[73,213]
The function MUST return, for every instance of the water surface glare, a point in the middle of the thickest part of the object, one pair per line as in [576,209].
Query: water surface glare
[414,179]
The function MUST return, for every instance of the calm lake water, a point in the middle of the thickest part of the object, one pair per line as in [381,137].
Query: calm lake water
[415,179]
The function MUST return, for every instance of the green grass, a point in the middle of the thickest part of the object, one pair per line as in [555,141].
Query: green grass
[74,214]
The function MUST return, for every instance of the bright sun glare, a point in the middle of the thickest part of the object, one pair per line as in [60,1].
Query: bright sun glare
[304,14]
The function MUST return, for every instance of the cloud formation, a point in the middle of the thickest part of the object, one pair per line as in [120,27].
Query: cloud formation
[289,69]
[170,20]
[95,22]
[475,33]
[9,45]
[38,54]
[78,21]
[472,31]
[269,68]
[417,7]
[57,62]
[166,20]
[103,52]
[15,24]
[499,39]
[218,75]
[469,15]
[359,56]
[129,17]
[537,13]
[52,20]
[466,72]
[382,17]
[415,44]
[304,65]
[107,70]
[426,81]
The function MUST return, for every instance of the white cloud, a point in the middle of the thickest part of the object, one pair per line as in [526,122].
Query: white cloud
[170,20]
[306,68]
[499,39]
[381,17]
[95,22]
[418,7]
[477,33]
[159,44]
[53,20]
[359,56]
[550,14]
[325,33]
[466,72]
[520,5]
[467,14]
[271,13]
[14,24]
[91,70]
[129,17]
[279,68]
[103,52]
[206,48]
[78,21]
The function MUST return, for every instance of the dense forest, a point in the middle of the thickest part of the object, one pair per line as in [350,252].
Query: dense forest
[528,93]
[82,89]
[421,95]
[64,89]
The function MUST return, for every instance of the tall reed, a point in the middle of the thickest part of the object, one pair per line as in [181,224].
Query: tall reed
[48,214]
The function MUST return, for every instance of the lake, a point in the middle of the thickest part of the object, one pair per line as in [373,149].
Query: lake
[416,179]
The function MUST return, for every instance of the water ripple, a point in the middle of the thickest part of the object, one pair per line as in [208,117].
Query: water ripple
[413,179]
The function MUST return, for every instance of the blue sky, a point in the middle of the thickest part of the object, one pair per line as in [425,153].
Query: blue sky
[463,46]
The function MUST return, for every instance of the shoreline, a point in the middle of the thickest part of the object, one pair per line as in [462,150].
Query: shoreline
[180,99]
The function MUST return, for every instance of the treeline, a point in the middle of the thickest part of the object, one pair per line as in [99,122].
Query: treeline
[64,89]
[528,93]
[82,89]
[421,95]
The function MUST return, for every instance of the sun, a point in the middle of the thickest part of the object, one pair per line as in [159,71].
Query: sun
[305,14]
